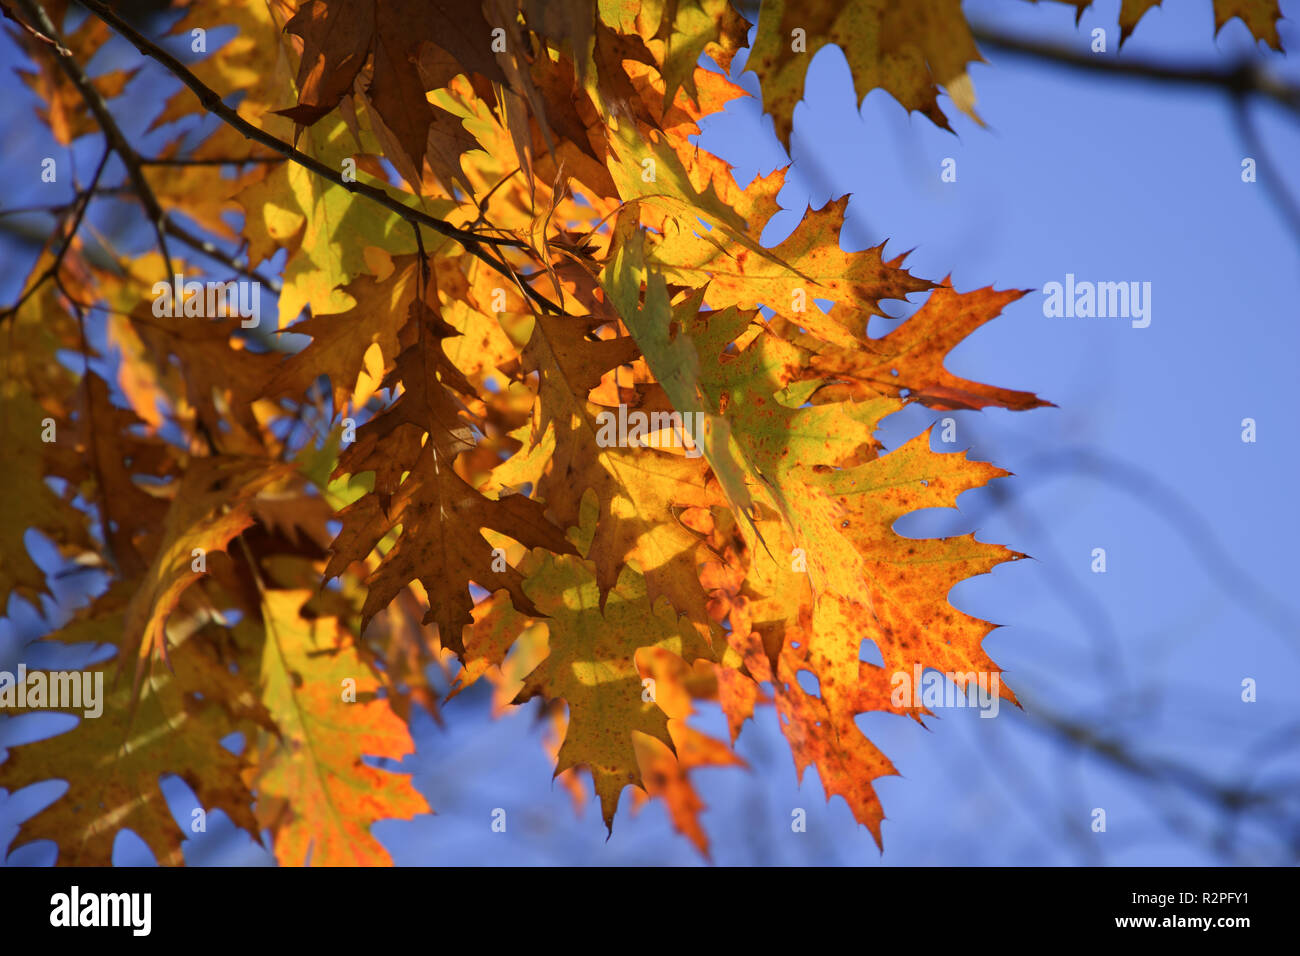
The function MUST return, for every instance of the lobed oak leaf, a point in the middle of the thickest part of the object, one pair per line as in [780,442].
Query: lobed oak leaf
[29,502]
[314,791]
[325,228]
[1259,16]
[907,49]
[835,500]
[638,490]
[38,401]
[212,504]
[441,516]
[341,36]
[593,665]
[340,341]
[667,775]
[910,358]
[808,265]
[112,762]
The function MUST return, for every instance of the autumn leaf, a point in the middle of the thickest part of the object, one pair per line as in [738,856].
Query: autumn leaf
[540,409]
[667,774]
[212,504]
[678,33]
[341,36]
[593,666]
[325,228]
[29,501]
[112,761]
[315,793]
[834,501]
[444,553]
[440,514]
[37,398]
[637,490]
[360,341]
[1260,17]
[64,110]
[907,49]
[909,360]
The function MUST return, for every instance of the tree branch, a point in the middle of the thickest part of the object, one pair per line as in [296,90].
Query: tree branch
[41,23]
[59,208]
[216,253]
[52,271]
[187,161]
[208,98]
[1246,77]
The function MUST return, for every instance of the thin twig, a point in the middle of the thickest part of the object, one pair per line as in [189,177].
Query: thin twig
[112,132]
[188,161]
[214,252]
[52,271]
[55,209]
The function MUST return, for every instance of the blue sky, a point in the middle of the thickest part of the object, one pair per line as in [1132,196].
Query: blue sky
[1107,179]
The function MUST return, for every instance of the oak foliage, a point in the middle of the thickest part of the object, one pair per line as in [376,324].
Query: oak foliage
[297,531]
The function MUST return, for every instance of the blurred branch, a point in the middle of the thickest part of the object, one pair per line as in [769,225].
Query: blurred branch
[79,212]
[1091,612]
[55,209]
[1202,541]
[117,141]
[1229,798]
[215,252]
[1245,78]
[1236,801]
[207,161]
[1264,166]
[171,227]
